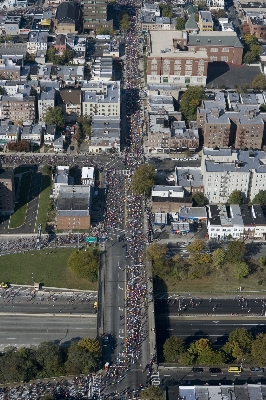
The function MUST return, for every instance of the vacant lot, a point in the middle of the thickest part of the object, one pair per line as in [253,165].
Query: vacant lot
[48,266]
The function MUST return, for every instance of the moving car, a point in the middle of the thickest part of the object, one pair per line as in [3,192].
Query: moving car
[105,339]
[256,369]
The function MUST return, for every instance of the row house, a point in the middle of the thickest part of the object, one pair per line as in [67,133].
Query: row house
[236,221]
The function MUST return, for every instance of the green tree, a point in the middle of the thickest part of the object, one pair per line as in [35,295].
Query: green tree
[259,82]
[91,345]
[196,246]
[166,10]
[218,258]
[50,54]
[187,358]
[143,179]
[124,22]
[260,198]
[54,116]
[180,23]
[235,251]
[50,359]
[79,360]
[156,254]
[152,393]
[241,270]
[190,100]
[84,264]
[250,57]
[258,349]
[199,199]
[173,347]
[238,344]
[235,197]
[263,108]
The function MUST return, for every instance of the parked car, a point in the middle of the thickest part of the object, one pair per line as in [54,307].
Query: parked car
[197,369]
[215,370]
[256,369]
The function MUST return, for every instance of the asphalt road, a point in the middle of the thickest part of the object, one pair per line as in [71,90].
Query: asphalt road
[192,329]
[25,301]
[22,331]
[242,306]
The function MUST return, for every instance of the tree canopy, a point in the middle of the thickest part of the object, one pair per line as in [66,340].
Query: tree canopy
[124,22]
[54,116]
[260,198]
[85,264]
[180,23]
[190,100]
[235,197]
[235,251]
[252,49]
[239,344]
[259,82]
[199,199]
[152,393]
[173,347]
[241,270]
[143,179]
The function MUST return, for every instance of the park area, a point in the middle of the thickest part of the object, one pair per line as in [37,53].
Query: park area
[48,266]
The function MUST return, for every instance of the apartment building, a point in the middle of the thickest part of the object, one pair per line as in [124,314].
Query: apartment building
[190,178]
[7,192]
[215,4]
[165,134]
[68,18]
[167,64]
[205,21]
[18,108]
[9,69]
[220,46]
[257,24]
[61,178]
[95,15]
[46,99]
[73,207]
[226,170]
[87,176]
[105,103]
[242,128]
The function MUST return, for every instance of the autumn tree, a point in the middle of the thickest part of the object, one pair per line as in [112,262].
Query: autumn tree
[91,345]
[258,349]
[173,347]
[85,264]
[143,180]
[218,258]
[259,82]
[152,393]
[156,254]
[241,270]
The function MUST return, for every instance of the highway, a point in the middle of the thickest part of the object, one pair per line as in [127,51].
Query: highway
[19,331]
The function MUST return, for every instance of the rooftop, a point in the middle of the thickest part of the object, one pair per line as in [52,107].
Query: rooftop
[189,176]
[214,38]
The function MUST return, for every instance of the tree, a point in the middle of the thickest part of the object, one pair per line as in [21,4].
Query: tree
[258,349]
[199,199]
[54,116]
[152,393]
[166,10]
[143,179]
[241,270]
[260,198]
[173,347]
[190,100]
[84,264]
[180,23]
[238,344]
[156,254]
[79,360]
[196,246]
[91,345]
[218,258]
[250,58]
[50,54]
[235,197]
[50,359]
[263,107]
[125,22]
[259,82]
[235,251]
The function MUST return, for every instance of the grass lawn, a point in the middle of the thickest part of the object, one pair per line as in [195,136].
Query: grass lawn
[48,266]
[44,199]
[18,218]
[219,282]
[20,169]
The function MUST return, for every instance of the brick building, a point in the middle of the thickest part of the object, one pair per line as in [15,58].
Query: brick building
[168,63]
[18,108]
[256,22]
[220,46]
[7,192]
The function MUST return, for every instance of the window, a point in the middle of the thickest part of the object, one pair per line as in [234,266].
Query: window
[214,49]
[188,61]
[225,50]
[224,58]
[212,58]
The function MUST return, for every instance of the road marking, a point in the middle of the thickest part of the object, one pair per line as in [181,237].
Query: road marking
[9,338]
